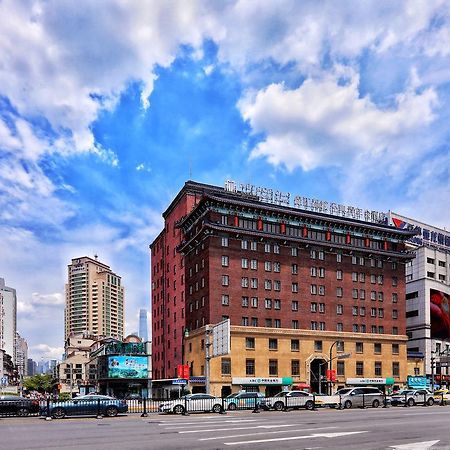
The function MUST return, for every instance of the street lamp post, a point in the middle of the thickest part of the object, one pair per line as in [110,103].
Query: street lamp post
[331,366]
[185,336]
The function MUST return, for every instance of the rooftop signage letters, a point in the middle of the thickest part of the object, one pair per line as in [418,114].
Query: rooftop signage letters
[276,197]
[125,348]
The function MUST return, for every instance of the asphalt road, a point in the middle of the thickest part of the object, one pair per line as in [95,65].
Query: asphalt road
[415,428]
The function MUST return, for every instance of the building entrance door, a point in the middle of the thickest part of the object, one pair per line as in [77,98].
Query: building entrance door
[317,372]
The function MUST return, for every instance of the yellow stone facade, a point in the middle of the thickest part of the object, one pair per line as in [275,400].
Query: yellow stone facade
[393,350]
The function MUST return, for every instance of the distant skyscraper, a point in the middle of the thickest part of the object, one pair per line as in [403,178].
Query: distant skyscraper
[21,355]
[94,299]
[31,367]
[8,319]
[143,329]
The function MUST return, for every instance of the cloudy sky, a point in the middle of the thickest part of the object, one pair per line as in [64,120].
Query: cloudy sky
[106,108]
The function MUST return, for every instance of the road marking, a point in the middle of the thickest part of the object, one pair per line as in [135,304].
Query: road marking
[415,445]
[183,424]
[264,432]
[266,427]
[292,438]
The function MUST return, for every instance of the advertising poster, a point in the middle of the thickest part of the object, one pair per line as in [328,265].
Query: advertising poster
[127,367]
[439,314]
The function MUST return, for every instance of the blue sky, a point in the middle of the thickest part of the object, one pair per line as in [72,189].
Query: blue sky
[106,110]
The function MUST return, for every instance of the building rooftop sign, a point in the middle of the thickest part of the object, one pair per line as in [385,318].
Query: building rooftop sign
[276,197]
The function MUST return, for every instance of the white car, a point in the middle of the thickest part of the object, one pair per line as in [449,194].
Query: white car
[192,403]
[290,399]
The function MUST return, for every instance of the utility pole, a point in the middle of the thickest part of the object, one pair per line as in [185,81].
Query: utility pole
[207,359]
[432,371]
[331,365]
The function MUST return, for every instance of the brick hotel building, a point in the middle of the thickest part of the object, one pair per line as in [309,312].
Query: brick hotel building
[297,286]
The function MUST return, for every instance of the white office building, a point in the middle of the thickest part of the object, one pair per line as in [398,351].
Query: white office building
[8,319]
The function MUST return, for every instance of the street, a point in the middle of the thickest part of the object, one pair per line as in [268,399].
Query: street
[400,428]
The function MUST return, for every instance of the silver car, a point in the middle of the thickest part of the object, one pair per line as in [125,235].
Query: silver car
[363,396]
[192,403]
[290,399]
[412,397]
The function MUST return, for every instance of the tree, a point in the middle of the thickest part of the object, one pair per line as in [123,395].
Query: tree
[40,383]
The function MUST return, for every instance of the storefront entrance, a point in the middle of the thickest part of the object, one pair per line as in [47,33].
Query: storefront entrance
[318,380]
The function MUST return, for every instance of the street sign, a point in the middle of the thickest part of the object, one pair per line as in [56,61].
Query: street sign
[179,381]
[331,375]
[183,371]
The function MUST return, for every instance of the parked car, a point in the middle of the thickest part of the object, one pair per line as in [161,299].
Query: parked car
[363,396]
[19,406]
[243,400]
[442,395]
[289,399]
[412,397]
[86,405]
[192,403]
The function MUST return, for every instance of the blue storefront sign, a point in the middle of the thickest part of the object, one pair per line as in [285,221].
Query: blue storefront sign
[179,381]
[417,382]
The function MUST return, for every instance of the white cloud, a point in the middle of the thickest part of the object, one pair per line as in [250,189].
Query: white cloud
[46,352]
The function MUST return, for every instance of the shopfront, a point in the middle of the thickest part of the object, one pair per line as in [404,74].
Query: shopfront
[267,386]
[384,384]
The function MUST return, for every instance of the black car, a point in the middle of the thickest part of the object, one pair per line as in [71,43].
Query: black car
[19,406]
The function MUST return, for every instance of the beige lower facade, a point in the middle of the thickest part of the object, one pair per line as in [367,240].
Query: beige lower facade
[270,359]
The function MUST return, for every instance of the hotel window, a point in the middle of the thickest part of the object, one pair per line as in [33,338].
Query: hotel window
[395,314]
[380,296]
[355,328]
[395,349]
[321,307]
[339,326]
[363,328]
[295,345]
[362,294]
[294,251]
[362,277]
[380,312]
[313,307]
[224,261]
[359,347]
[294,305]
[441,263]
[294,268]
[250,343]
[244,263]
[277,323]
[276,267]
[267,266]
[245,302]
[380,279]
[380,263]
[322,326]
[244,321]
[277,285]
[253,246]
[312,254]
[339,309]
[226,366]
[294,287]
[269,323]
[381,329]
[354,276]
[224,242]
[273,344]
[254,301]
[318,346]
[313,289]
[354,260]
[244,282]
[339,275]
[395,330]
[362,311]
[373,329]
[394,266]
[340,372]
[359,368]
[254,321]
[313,271]
[373,295]
[373,262]
[267,248]
[394,281]
[268,303]
[355,310]
[396,369]
[355,293]
[268,285]
[373,312]
[339,292]
[277,304]
[253,264]
[276,248]
[273,367]
[295,324]
[254,283]
[224,220]
[430,260]
[244,245]
[340,346]
[373,279]
[249,367]
[377,348]
[313,325]
[225,300]
[339,257]
[225,280]
[295,367]
[321,255]
[378,368]
[361,261]
[321,272]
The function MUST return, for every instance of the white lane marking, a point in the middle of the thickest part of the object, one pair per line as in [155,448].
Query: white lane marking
[263,432]
[428,413]
[266,427]
[293,438]
[183,424]
[415,445]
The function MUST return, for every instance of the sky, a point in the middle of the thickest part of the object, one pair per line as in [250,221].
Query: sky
[107,108]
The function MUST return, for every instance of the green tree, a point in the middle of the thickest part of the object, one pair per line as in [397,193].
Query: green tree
[40,383]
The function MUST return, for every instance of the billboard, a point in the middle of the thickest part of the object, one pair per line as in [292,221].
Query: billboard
[439,314]
[127,367]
